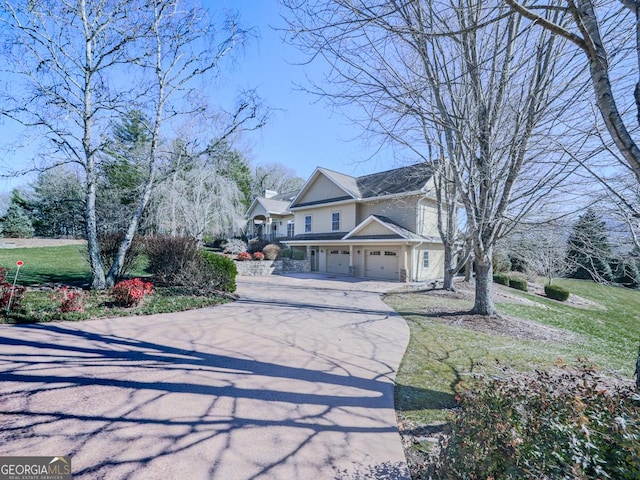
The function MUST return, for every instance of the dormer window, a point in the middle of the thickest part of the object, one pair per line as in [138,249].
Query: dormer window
[335,222]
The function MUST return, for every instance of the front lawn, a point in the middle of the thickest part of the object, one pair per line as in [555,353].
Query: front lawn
[448,347]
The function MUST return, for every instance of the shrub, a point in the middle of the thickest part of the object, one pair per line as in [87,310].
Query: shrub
[258,256]
[71,299]
[562,424]
[256,245]
[271,251]
[286,253]
[556,292]
[234,246]
[217,273]
[129,293]
[518,284]
[6,290]
[501,278]
[243,256]
[109,246]
[169,257]
[297,255]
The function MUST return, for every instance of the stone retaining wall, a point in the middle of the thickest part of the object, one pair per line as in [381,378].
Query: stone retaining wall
[271,267]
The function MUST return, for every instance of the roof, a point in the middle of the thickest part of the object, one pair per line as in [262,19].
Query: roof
[412,178]
[400,180]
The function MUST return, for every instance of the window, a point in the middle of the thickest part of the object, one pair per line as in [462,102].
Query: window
[390,254]
[334,252]
[290,229]
[425,259]
[307,224]
[375,253]
[335,222]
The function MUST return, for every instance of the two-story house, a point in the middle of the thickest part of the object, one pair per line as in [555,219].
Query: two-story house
[382,225]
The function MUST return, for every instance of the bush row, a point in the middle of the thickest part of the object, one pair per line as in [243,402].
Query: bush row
[567,424]
[513,282]
[179,261]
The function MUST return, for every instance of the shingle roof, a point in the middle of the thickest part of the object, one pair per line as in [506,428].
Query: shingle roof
[391,182]
[272,205]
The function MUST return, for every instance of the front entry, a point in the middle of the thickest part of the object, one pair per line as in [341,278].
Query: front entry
[314,259]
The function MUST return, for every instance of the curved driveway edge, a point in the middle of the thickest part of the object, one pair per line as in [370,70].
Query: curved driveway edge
[293,381]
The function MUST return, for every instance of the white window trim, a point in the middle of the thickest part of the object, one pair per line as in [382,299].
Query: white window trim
[425,259]
[310,217]
[339,219]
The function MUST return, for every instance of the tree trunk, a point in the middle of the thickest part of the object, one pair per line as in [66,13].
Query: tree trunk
[638,371]
[484,288]
[98,281]
[449,268]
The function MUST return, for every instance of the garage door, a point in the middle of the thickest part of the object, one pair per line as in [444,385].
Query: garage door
[338,261]
[383,264]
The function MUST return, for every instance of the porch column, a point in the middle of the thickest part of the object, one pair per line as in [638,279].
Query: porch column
[405,274]
[268,232]
[352,268]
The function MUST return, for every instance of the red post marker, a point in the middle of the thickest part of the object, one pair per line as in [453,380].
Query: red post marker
[19,263]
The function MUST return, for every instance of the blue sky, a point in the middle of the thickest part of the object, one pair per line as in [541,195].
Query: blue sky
[304,132]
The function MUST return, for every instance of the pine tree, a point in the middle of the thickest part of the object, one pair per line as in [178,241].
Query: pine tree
[16,223]
[588,249]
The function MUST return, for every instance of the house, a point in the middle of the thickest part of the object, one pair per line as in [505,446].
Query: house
[269,216]
[382,225]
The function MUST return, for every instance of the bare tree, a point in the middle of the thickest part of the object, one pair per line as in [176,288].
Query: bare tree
[468,79]
[541,248]
[601,31]
[274,176]
[66,65]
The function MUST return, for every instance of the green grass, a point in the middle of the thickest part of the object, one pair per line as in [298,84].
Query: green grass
[441,358]
[68,265]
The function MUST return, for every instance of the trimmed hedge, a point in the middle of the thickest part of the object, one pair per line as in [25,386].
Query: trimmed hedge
[556,292]
[518,284]
[221,270]
[501,278]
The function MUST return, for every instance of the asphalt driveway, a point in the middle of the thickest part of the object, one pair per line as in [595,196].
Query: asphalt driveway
[294,381]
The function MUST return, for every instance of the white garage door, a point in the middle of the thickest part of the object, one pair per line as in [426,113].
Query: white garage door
[338,261]
[383,264]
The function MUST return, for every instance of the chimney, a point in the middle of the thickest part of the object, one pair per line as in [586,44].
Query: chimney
[270,193]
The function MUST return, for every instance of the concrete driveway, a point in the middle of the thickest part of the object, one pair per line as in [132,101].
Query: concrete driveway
[294,381]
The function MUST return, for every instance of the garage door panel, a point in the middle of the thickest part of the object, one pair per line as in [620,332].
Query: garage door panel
[338,261]
[384,264]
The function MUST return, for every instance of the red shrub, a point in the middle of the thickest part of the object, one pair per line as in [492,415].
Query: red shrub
[129,293]
[243,256]
[71,299]
[258,256]
[5,291]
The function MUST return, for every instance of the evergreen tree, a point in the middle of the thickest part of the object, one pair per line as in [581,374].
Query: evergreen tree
[16,223]
[56,205]
[588,249]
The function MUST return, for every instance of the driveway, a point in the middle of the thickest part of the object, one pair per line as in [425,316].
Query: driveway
[293,381]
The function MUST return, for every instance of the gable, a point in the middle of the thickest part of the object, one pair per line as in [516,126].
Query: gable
[320,190]
[374,229]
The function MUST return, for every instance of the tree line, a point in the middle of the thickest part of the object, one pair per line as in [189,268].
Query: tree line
[201,193]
